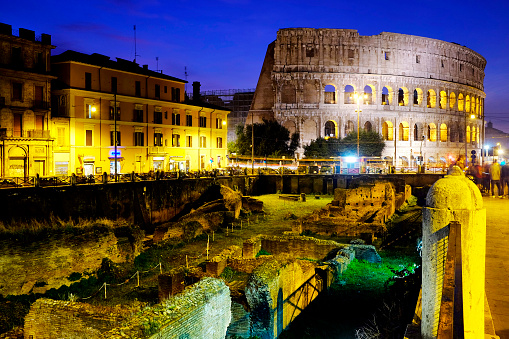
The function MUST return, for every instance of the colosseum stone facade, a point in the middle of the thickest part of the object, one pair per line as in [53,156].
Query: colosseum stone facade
[425,96]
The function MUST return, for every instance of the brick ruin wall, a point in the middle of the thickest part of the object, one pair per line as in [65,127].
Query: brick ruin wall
[201,311]
[47,263]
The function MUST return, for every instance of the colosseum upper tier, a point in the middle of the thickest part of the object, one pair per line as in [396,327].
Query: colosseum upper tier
[425,96]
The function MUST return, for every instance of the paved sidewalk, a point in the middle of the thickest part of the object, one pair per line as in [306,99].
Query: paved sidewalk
[497,262]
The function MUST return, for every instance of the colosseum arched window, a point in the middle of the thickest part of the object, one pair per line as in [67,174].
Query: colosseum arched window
[418,94]
[349,94]
[329,94]
[481,109]
[309,93]
[388,130]
[416,133]
[477,106]
[309,129]
[432,132]
[452,100]
[288,94]
[461,135]
[290,126]
[349,127]
[431,100]
[386,95]
[468,134]
[404,131]
[330,129]
[369,95]
[467,103]
[478,140]
[403,96]
[443,100]
[453,137]
[472,105]
[443,133]
[368,127]
[461,102]
[473,134]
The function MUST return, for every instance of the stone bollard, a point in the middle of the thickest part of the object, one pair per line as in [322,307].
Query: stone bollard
[132,176]
[37,180]
[105,178]
[453,198]
[73,179]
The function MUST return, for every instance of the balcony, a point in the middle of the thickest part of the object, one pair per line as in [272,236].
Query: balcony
[9,133]
[157,150]
[40,104]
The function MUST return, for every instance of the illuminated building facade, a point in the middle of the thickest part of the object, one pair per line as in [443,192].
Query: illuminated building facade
[26,145]
[419,93]
[97,101]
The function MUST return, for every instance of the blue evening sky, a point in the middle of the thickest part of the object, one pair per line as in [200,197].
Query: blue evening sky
[223,43]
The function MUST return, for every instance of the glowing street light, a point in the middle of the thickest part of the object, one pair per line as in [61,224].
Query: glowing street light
[358,98]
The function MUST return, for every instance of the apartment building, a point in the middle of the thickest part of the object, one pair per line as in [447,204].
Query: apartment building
[26,146]
[115,116]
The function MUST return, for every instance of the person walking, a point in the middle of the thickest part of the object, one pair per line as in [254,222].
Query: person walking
[504,178]
[495,179]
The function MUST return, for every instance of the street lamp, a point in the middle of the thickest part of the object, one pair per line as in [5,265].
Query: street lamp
[358,98]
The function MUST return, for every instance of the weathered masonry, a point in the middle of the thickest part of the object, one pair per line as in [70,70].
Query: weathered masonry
[425,96]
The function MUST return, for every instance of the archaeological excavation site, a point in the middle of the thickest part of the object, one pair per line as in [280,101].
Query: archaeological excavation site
[233,257]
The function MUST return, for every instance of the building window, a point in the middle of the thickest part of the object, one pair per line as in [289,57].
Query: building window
[442,63]
[16,58]
[61,137]
[113,84]
[219,142]
[165,89]
[89,110]
[138,115]
[203,142]
[88,137]
[351,53]
[17,91]
[175,119]
[40,65]
[112,113]
[158,91]
[112,138]
[18,125]
[203,121]
[137,89]
[189,120]
[189,141]
[158,139]
[88,81]
[219,123]
[138,138]
[175,94]
[158,117]
[387,55]
[417,59]
[175,140]
[461,67]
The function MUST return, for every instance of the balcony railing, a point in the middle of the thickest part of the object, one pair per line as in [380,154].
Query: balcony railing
[13,133]
[40,104]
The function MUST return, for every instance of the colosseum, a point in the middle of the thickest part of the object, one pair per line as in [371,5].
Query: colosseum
[425,96]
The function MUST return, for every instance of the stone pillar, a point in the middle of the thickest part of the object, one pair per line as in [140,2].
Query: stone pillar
[453,198]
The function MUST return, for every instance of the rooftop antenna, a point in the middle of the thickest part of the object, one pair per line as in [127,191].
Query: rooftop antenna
[135,55]
[185,73]
[157,66]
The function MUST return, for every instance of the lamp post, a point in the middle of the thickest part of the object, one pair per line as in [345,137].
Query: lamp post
[358,98]
[252,142]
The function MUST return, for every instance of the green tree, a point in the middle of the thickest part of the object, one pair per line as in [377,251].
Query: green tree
[270,139]
[322,148]
[371,144]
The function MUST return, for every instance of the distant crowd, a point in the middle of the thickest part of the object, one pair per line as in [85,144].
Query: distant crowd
[488,176]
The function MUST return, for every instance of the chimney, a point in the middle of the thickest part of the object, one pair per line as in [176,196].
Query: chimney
[196,91]
[145,66]
[5,29]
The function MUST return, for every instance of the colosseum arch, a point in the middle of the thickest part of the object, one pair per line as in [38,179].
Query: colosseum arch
[309,93]
[468,134]
[418,95]
[404,131]
[452,100]
[288,94]
[431,99]
[309,130]
[329,94]
[349,127]
[330,129]
[403,96]
[453,133]
[290,126]
[477,105]
[349,94]
[443,133]
[467,104]
[432,132]
[443,100]
[388,130]
[387,95]
[461,102]
[473,134]
[370,95]
[368,126]
[472,105]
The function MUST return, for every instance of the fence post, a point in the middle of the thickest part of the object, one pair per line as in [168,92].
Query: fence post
[453,199]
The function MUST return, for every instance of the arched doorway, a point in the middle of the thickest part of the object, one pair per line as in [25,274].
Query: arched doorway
[18,162]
